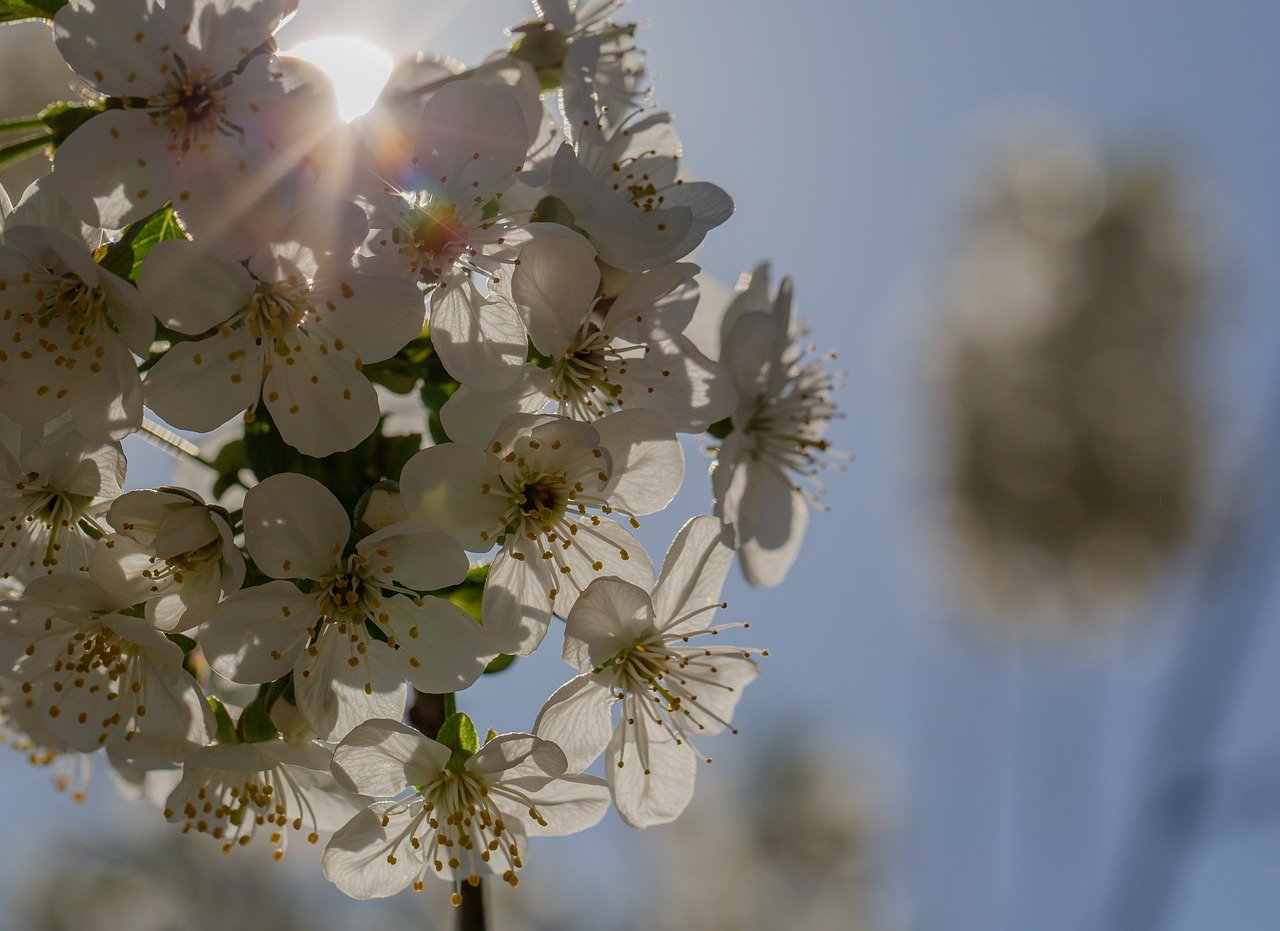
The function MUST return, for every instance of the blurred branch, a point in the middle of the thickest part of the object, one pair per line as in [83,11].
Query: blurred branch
[1232,602]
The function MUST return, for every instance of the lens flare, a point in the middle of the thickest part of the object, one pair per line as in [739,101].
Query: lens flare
[357,67]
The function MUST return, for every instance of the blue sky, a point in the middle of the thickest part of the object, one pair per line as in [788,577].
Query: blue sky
[846,132]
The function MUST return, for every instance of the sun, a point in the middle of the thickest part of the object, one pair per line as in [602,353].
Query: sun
[357,67]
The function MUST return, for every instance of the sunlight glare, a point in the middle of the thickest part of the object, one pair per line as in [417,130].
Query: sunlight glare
[357,67]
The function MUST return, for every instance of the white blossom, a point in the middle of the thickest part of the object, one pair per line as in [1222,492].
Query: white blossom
[68,332]
[602,353]
[211,122]
[290,328]
[177,550]
[342,674]
[95,673]
[636,651]
[454,816]
[766,470]
[235,792]
[51,490]
[432,220]
[543,491]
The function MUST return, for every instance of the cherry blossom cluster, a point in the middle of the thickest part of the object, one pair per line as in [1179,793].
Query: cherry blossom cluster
[498,254]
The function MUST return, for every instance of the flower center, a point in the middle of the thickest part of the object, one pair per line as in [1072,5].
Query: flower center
[345,593]
[193,106]
[70,302]
[467,829]
[430,235]
[275,311]
[231,806]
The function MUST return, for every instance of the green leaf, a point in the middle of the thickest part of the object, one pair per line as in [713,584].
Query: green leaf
[347,474]
[499,663]
[229,462]
[125,255]
[468,593]
[226,732]
[12,11]
[459,735]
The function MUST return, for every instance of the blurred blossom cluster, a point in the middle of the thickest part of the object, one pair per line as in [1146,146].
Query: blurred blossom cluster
[440,356]
[1074,447]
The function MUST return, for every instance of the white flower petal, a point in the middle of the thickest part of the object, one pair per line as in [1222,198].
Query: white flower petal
[555,284]
[517,756]
[377,315]
[659,795]
[648,463]
[334,696]
[414,554]
[382,758]
[355,860]
[568,804]
[202,384]
[474,416]
[320,400]
[443,486]
[190,291]
[258,633]
[770,517]
[294,527]
[481,341]
[693,575]
[439,647]
[606,619]
[516,605]
[578,718]
[472,132]
[113,169]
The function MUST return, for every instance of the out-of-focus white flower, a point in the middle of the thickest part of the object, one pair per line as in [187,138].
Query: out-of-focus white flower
[96,674]
[290,327]
[634,162]
[49,487]
[766,470]
[635,651]
[175,549]
[434,220]
[212,120]
[455,816]
[602,354]
[68,332]
[234,792]
[542,491]
[342,674]
[578,45]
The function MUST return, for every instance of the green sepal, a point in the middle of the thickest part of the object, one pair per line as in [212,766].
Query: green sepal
[255,721]
[14,11]
[459,735]
[226,728]
[552,209]
[65,118]
[721,428]
[186,644]
[489,736]
[499,663]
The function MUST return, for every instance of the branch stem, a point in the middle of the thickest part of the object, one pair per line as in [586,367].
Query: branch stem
[427,713]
